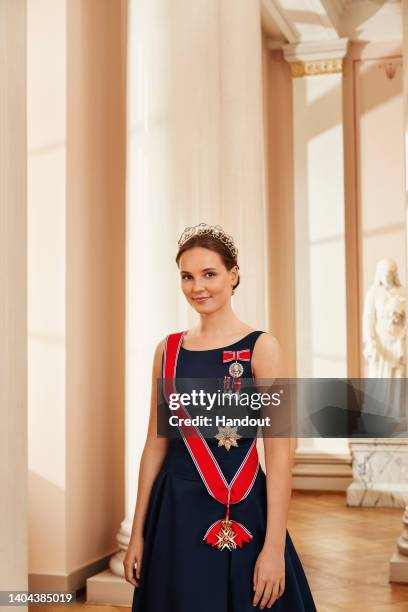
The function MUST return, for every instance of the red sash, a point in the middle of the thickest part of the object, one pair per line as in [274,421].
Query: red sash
[223,533]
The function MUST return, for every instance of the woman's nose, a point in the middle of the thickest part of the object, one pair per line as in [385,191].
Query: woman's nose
[197,284]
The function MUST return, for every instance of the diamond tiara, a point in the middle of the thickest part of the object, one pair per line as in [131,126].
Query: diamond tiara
[212,230]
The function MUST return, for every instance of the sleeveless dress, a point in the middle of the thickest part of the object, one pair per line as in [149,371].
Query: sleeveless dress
[180,572]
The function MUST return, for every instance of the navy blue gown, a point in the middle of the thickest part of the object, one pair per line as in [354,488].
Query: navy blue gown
[180,572]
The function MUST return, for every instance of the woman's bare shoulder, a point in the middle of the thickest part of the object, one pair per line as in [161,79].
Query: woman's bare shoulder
[159,349]
[266,342]
[160,346]
[267,356]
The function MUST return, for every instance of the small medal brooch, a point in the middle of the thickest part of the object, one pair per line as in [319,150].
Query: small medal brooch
[236,369]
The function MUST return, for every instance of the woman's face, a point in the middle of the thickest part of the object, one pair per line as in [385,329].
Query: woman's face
[205,281]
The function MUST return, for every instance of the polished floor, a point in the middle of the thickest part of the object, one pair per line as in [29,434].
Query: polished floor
[345,553]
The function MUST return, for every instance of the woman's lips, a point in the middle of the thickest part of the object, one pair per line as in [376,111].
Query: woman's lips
[201,299]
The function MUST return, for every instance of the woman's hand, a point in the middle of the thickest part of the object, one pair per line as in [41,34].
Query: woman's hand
[133,555]
[269,577]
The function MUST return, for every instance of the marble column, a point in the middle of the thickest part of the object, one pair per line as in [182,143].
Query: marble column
[13,303]
[320,274]
[195,153]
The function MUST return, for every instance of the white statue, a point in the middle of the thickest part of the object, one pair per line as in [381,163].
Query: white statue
[384,329]
[384,323]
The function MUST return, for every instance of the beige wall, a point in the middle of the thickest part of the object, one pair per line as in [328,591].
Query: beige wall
[76,198]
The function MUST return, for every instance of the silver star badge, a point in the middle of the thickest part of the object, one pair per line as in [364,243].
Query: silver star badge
[227,436]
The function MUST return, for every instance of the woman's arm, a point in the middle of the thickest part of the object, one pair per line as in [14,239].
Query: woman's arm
[269,574]
[151,460]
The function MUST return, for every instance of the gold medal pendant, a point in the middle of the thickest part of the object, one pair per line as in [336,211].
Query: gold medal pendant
[226,536]
[227,436]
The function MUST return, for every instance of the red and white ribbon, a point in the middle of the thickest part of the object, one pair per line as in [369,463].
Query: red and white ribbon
[243,355]
[204,460]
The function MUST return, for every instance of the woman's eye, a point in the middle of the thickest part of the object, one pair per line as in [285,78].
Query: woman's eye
[187,276]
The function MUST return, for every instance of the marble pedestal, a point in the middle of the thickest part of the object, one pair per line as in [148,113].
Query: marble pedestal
[380,473]
[399,560]
[107,588]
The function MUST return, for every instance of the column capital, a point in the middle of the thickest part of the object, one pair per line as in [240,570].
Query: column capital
[313,58]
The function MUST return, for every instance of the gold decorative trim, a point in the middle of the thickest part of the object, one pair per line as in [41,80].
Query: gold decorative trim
[314,67]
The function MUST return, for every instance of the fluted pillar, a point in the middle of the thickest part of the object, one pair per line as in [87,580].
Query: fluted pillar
[195,153]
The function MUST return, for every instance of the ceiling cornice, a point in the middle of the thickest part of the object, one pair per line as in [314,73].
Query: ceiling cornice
[313,51]
[292,21]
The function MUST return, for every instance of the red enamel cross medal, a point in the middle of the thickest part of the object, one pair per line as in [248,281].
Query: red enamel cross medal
[223,533]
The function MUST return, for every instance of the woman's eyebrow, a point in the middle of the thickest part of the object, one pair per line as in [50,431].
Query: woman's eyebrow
[203,270]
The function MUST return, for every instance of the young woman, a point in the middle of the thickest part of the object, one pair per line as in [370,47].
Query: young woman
[209,530]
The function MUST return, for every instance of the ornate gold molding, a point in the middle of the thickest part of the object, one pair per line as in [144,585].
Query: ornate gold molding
[314,67]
